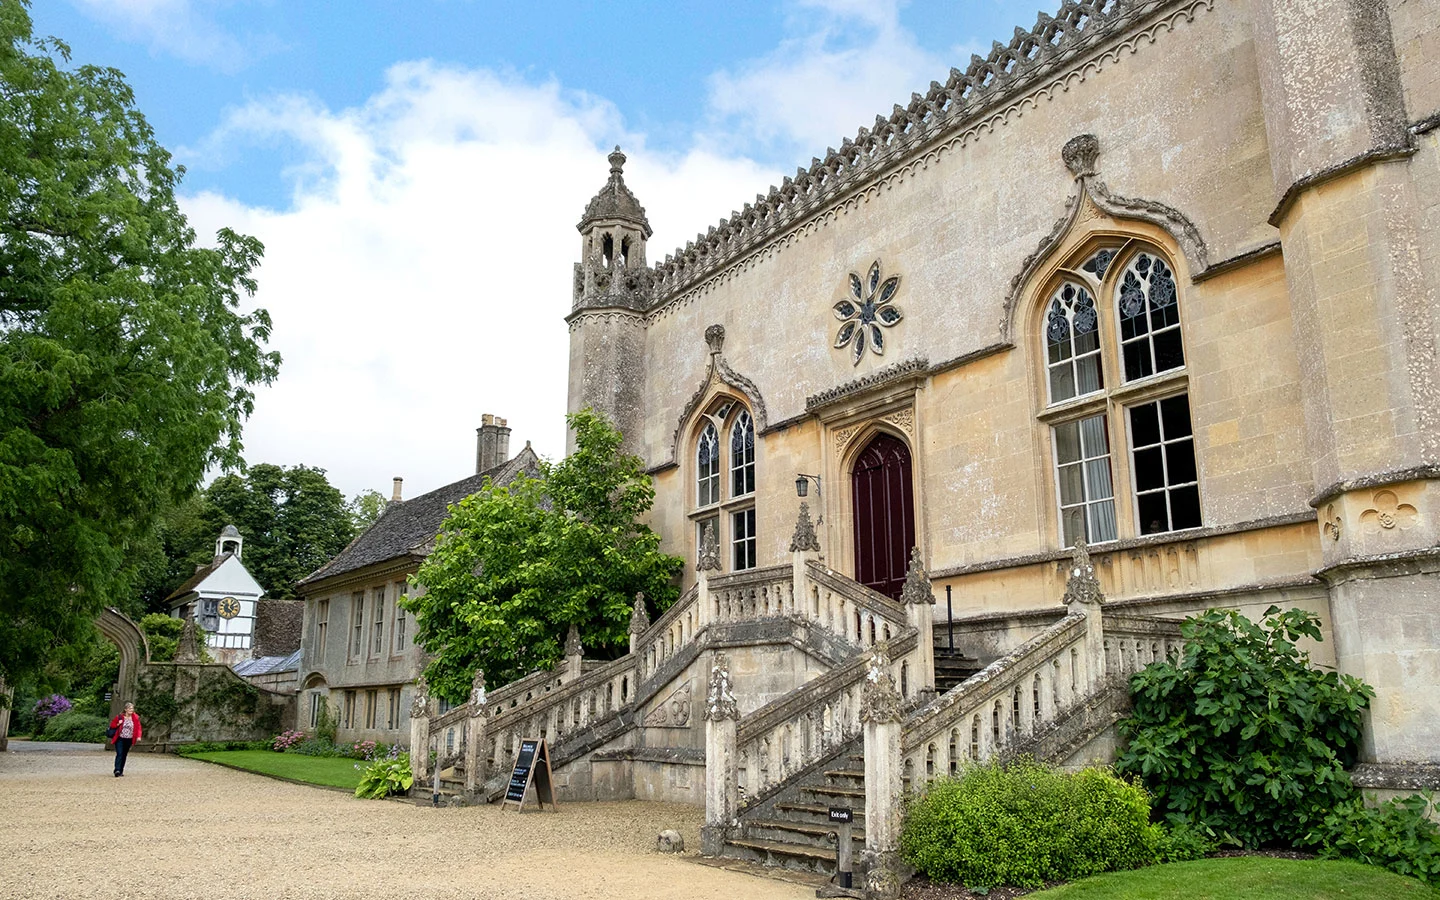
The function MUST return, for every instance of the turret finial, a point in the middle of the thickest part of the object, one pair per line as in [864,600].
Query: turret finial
[617,161]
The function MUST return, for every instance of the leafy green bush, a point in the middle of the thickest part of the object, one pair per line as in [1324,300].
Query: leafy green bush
[1182,842]
[384,776]
[1025,824]
[1398,835]
[1242,736]
[319,746]
[75,726]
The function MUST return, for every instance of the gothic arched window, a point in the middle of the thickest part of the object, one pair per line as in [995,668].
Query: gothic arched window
[707,467]
[1072,343]
[742,455]
[1149,318]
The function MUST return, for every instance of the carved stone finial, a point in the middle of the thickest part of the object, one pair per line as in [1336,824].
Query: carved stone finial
[804,538]
[617,161]
[572,642]
[709,556]
[917,582]
[715,338]
[420,698]
[1082,586]
[720,700]
[1080,154]
[879,699]
[639,618]
[477,690]
[188,650]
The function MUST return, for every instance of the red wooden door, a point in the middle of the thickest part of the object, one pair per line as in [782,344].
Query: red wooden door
[884,503]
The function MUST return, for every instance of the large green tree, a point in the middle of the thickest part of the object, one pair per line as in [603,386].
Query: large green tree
[126,359]
[515,566]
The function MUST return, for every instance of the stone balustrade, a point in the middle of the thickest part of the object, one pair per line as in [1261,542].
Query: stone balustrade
[860,615]
[669,634]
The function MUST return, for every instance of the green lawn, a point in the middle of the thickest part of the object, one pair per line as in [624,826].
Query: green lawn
[322,770]
[1246,878]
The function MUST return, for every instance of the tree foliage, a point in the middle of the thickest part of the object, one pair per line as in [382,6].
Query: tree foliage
[516,566]
[126,363]
[1242,735]
[365,507]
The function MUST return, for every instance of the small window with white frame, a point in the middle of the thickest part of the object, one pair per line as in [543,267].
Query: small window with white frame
[401,591]
[378,642]
[1082,472]
[742,539]
[725,444]
[1162,450]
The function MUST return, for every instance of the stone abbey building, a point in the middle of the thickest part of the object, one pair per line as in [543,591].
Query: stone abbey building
[1156,278]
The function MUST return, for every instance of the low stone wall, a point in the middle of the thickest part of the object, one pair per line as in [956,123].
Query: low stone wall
[182,703]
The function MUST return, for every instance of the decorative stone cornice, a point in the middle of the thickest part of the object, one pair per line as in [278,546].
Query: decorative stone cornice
[804,538]
[917,584]
[918,367]
[1082,586]
[639,618]
[572,642]
[709,555]
[880,702]
[720,698]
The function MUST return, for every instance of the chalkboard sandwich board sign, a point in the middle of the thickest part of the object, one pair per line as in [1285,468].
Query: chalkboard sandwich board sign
[532,766]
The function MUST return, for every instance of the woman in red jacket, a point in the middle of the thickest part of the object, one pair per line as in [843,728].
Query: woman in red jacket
[125,731]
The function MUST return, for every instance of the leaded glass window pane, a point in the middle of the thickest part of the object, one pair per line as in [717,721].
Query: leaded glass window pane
[707,467]
[1149,315]
[742,456]
[1072,343]
[1167,493]
[1082,473]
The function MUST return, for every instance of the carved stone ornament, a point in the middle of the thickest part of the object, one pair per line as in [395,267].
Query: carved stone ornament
[879,700]
[188,650]
[864,311]
[715,338]
[572,642]
[720,700]
[673,711]
[1330,526]
[477,691]
[1388,513]
[639,618]
[1080,154]
[420,699]
[1082,586]
[804,539]
[917,582]
[709,555]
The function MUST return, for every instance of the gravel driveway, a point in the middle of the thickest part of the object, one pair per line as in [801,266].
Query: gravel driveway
[176,828]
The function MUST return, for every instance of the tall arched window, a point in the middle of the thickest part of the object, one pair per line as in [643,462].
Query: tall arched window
[1149,420]
[742,455]
[707,467]
[733,523]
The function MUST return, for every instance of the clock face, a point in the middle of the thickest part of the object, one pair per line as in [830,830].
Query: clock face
[229,608]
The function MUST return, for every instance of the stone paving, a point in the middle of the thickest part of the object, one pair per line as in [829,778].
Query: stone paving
[177,828]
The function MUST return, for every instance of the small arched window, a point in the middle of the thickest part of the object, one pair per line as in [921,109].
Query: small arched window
[742,456]
[1149,318]
[1072,343]
[707,467]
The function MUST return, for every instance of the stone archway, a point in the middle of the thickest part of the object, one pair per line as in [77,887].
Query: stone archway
[122,631]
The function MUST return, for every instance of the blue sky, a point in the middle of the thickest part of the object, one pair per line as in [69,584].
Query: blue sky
[416,170]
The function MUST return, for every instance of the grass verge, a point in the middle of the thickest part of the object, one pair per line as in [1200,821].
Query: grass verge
[326,771]
[1246,878]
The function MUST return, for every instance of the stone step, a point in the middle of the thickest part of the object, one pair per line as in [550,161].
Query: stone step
[782,854]
[799,812]
[813,835]
[828,790]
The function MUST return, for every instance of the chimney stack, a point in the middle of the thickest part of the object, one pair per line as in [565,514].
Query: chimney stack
[395,489]
[492,444]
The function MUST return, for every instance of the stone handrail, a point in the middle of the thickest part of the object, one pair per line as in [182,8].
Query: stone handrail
[668,634]
[1007,701]
[751,594]
[781,738]
[1134,642]
[523,690]
[850,609]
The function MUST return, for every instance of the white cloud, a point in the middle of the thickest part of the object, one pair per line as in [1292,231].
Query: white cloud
[850,61]
[422,271]
[183,28]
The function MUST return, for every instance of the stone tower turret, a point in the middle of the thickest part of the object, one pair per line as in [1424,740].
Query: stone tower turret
[611,294]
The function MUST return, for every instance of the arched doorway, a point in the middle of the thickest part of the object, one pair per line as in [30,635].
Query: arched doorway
[122,631]
[883,500]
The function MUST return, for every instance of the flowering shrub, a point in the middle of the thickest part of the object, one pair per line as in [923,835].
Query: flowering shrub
[363,750]
[51,706]
[286,739]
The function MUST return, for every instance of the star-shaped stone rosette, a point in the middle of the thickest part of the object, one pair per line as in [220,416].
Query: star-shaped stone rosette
[867,309]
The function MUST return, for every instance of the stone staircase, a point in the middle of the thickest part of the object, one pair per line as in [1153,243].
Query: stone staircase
[952,667]
[791,828]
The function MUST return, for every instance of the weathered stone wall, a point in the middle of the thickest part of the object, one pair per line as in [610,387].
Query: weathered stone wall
[182,703]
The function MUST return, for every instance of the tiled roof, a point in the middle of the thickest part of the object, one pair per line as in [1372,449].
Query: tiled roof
[267,664]
[408,528]
[200,575]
